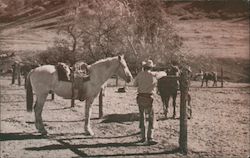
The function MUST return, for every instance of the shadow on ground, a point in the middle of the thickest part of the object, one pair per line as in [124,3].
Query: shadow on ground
[19,136]
[130,117]
[78,149]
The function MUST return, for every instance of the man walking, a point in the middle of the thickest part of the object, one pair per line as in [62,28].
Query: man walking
[146,83]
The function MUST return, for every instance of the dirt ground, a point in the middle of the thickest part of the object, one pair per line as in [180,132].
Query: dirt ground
[219,127]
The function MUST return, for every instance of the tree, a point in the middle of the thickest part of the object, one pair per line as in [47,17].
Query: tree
[152,33]
[101,28]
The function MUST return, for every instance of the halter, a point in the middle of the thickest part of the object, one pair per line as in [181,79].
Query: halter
[120,64]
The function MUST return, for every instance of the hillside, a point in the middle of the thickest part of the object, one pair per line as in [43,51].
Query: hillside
[28,28]
[217,29]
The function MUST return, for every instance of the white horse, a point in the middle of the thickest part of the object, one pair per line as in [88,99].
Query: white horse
[45,78]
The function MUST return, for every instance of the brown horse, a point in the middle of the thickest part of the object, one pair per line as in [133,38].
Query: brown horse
[167,88]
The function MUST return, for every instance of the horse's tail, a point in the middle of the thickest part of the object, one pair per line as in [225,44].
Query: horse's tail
[29,94]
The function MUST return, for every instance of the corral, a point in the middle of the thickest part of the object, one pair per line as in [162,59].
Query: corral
[205,35]
[219,127]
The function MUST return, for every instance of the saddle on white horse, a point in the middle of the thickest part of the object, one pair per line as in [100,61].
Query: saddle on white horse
[78,74]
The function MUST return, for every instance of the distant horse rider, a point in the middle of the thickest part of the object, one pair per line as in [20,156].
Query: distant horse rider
[146,83]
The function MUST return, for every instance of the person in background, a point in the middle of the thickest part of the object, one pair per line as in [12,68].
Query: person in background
[146,84]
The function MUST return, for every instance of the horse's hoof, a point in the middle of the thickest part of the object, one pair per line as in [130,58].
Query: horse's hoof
[44,133]
[90,133]
[166,114]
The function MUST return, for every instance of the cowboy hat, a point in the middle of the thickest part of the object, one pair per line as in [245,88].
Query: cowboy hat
[148,63]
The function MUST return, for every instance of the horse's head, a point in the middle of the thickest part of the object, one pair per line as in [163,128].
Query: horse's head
[174,70]
[122,70]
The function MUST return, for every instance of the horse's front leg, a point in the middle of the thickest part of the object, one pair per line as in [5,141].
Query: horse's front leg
[215,83]
[166,104]
[163,99]
[202,81]
[174,105]
[88,111]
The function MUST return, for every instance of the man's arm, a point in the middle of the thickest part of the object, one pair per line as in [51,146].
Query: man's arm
[136,81]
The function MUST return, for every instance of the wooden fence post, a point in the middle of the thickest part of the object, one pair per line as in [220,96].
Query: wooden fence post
[52,95]
[101,103]
[18,71]
[73,85]
[116,80]
[222,78]
[184,86]
[13,73]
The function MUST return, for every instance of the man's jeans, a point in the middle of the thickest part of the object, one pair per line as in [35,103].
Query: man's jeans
[145,103]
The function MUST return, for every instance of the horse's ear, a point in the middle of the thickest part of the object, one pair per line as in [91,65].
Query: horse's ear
[120,57]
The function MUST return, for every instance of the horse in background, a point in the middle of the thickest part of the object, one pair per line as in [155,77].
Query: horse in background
[168,87]
[43,79]
[205,77]
[25,68]
[209,76]
[198,76]
[20,68]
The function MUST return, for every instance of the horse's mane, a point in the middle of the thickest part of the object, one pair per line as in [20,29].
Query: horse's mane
[102,61]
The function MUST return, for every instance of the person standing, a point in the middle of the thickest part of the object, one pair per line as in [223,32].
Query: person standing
[146,84]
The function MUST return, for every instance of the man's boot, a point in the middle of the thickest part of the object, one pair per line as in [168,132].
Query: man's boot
[143,132]
[150,137]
